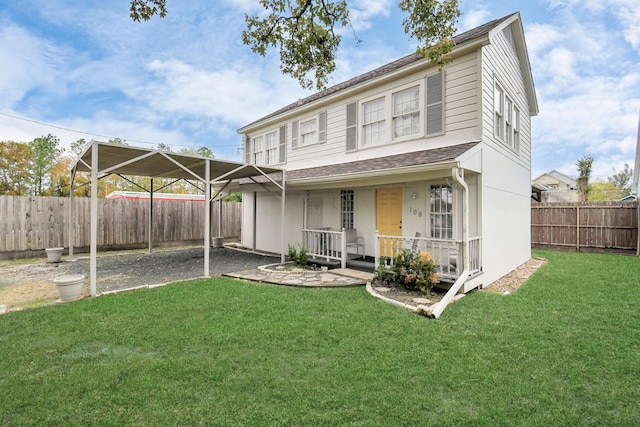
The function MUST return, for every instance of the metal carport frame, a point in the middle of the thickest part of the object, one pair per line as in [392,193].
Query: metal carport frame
[128,160]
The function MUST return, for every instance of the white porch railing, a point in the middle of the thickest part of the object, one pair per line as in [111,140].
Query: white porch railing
[329,245]
[448,252]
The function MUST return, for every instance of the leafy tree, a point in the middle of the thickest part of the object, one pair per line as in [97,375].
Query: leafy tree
[585,165]
[622,180]
[15,168]
[603,191]
[306,32]
[46,150]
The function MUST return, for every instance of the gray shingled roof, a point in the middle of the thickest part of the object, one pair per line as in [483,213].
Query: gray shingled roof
[385,69]
[394,161]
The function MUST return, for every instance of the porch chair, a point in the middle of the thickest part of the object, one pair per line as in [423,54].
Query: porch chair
[353,240]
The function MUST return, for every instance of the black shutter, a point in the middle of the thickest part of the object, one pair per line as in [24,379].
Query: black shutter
[283,144]
[352,124]
[435,104]
[322,126]
[294,134]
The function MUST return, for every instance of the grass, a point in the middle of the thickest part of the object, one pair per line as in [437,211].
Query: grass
[562,350]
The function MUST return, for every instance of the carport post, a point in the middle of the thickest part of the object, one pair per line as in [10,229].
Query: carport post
[151,216]
[94,220]
[207,215]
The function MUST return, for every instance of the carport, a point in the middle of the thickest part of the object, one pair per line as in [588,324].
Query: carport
[135,161]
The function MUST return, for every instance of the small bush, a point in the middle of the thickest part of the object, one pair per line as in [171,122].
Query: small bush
[415,270]
[299,257]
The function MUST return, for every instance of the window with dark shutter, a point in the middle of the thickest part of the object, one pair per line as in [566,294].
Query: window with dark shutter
[294,134]
[283,144]
[435,104]
[322,126]
[352,125]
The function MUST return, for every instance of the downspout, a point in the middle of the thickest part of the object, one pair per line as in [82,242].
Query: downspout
[436,310]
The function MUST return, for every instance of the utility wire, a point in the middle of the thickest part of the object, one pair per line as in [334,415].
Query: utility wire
[100,135]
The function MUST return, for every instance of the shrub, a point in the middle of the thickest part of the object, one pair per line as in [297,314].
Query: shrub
[300,257]
[415,270]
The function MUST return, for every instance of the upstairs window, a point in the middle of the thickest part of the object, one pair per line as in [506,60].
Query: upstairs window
[271,141]
[506,118]
[308,132]
[258,148]
[406,112]
[373,127]
[498,109]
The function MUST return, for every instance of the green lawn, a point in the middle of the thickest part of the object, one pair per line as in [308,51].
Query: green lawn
[562,350]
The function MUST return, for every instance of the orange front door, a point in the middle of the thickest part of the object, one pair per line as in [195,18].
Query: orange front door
[388,217]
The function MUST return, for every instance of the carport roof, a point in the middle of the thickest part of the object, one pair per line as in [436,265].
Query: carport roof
[127,160]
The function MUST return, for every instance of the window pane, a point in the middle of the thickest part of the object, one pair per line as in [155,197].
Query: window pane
[373,119]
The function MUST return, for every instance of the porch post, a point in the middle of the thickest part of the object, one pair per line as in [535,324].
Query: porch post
[343,249]
[376,250]
[283,221]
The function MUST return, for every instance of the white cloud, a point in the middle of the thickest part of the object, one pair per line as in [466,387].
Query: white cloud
[473,18]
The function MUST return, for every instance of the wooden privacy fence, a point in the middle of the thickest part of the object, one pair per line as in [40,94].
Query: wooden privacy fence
[589,227]
[35,223]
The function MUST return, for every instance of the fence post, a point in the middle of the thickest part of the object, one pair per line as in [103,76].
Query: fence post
[343,243]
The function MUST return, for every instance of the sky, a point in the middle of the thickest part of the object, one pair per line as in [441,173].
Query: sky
[83,69]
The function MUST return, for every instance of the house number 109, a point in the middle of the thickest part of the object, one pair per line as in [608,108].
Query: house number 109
[415,212]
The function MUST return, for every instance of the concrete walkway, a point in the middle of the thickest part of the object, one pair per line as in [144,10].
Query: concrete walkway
[305,278]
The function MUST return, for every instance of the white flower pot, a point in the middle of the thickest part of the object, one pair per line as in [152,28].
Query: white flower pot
[69,287]
[54,254]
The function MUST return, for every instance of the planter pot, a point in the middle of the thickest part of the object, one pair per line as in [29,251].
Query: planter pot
[54,254]
[217,242]
[69,287]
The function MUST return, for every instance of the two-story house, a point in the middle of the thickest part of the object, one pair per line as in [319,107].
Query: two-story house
[406,155]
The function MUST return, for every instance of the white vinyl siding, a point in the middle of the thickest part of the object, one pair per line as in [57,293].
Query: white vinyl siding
[373,122]
[406,112]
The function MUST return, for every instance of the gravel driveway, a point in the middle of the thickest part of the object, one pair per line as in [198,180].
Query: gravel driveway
[122,271]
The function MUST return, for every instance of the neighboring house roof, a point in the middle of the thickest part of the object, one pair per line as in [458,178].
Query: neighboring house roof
[559,176]
[460,40]
[387,163]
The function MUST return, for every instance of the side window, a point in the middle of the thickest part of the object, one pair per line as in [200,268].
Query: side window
[506,120]
[498,110]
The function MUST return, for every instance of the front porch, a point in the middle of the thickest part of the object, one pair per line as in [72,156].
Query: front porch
[330,247]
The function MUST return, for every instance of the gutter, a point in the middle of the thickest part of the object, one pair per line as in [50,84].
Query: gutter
[436,310]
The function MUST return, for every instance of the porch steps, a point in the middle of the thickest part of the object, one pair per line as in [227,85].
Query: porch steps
[356,274]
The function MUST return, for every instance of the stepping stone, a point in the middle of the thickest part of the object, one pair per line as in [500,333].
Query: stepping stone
[422,301]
